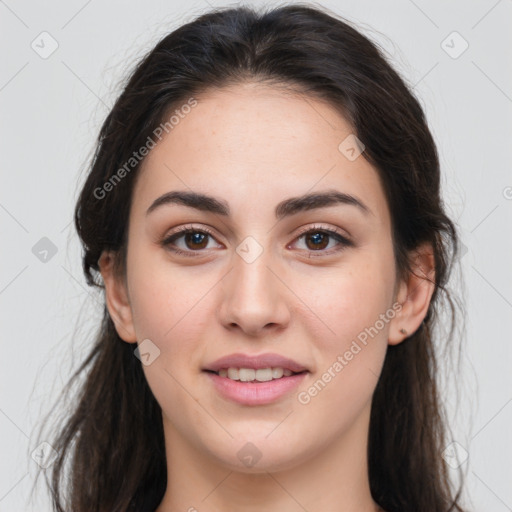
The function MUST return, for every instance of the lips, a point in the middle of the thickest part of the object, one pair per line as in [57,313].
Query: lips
[255,362]
[286,375]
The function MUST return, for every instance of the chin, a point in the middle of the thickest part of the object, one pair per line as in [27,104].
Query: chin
[259,455]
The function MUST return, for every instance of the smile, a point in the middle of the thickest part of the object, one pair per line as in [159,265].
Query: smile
[251,374]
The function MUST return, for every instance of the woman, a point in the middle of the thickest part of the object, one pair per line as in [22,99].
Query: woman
[263,211]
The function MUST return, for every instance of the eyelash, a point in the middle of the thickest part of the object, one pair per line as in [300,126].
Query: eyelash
[167,241]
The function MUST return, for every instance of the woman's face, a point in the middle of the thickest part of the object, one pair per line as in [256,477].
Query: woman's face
[269,277]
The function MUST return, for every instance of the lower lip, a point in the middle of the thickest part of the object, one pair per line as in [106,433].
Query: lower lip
[255,393]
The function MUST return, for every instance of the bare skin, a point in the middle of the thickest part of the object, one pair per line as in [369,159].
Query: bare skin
[253,147]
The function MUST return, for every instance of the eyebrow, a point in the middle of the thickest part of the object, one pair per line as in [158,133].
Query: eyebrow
[288,207]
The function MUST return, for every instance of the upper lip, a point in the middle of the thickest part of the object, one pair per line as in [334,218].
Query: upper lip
[255,362]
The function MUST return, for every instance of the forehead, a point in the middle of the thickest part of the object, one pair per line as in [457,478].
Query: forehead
[253,145]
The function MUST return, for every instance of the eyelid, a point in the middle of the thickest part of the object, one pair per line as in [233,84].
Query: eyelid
[318,227]
[183,230]
[187,227]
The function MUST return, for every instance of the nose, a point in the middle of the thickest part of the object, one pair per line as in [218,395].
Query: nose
[255,297]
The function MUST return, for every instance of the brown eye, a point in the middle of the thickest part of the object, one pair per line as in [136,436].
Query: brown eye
[196,240]
[188,241]
[324,241]
[319,240]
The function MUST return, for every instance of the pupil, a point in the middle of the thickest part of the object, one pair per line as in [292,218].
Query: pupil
[318,238]
[196,238]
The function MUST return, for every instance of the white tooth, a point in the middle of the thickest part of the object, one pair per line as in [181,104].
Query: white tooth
[277,373]
[233,373]
[246,374]
[264,374]
[287,372]
[223,372]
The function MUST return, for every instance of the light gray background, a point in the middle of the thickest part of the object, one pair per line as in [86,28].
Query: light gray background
[51,112]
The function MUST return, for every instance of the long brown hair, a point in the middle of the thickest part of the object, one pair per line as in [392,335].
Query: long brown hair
[112,439]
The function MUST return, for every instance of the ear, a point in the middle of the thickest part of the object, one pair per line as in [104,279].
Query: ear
[116,297]
[414,294]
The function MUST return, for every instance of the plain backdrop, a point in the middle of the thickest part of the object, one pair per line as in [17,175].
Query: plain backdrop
[61,66]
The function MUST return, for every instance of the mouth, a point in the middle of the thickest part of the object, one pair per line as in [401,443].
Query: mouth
[255,379]
[253,375]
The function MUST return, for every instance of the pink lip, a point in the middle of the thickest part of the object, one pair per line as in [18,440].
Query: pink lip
[256,362]
[255,393]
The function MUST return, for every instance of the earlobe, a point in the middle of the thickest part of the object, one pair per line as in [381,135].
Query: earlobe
[116,298]
[414,295]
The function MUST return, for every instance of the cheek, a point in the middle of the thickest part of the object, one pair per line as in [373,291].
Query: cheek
[351,354]
[164,299]
[172,314]
[174,310]
[355,301]
[355,316]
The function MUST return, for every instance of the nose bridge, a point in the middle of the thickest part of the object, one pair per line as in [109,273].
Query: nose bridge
[252,272]
[254,296]
[252,276]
